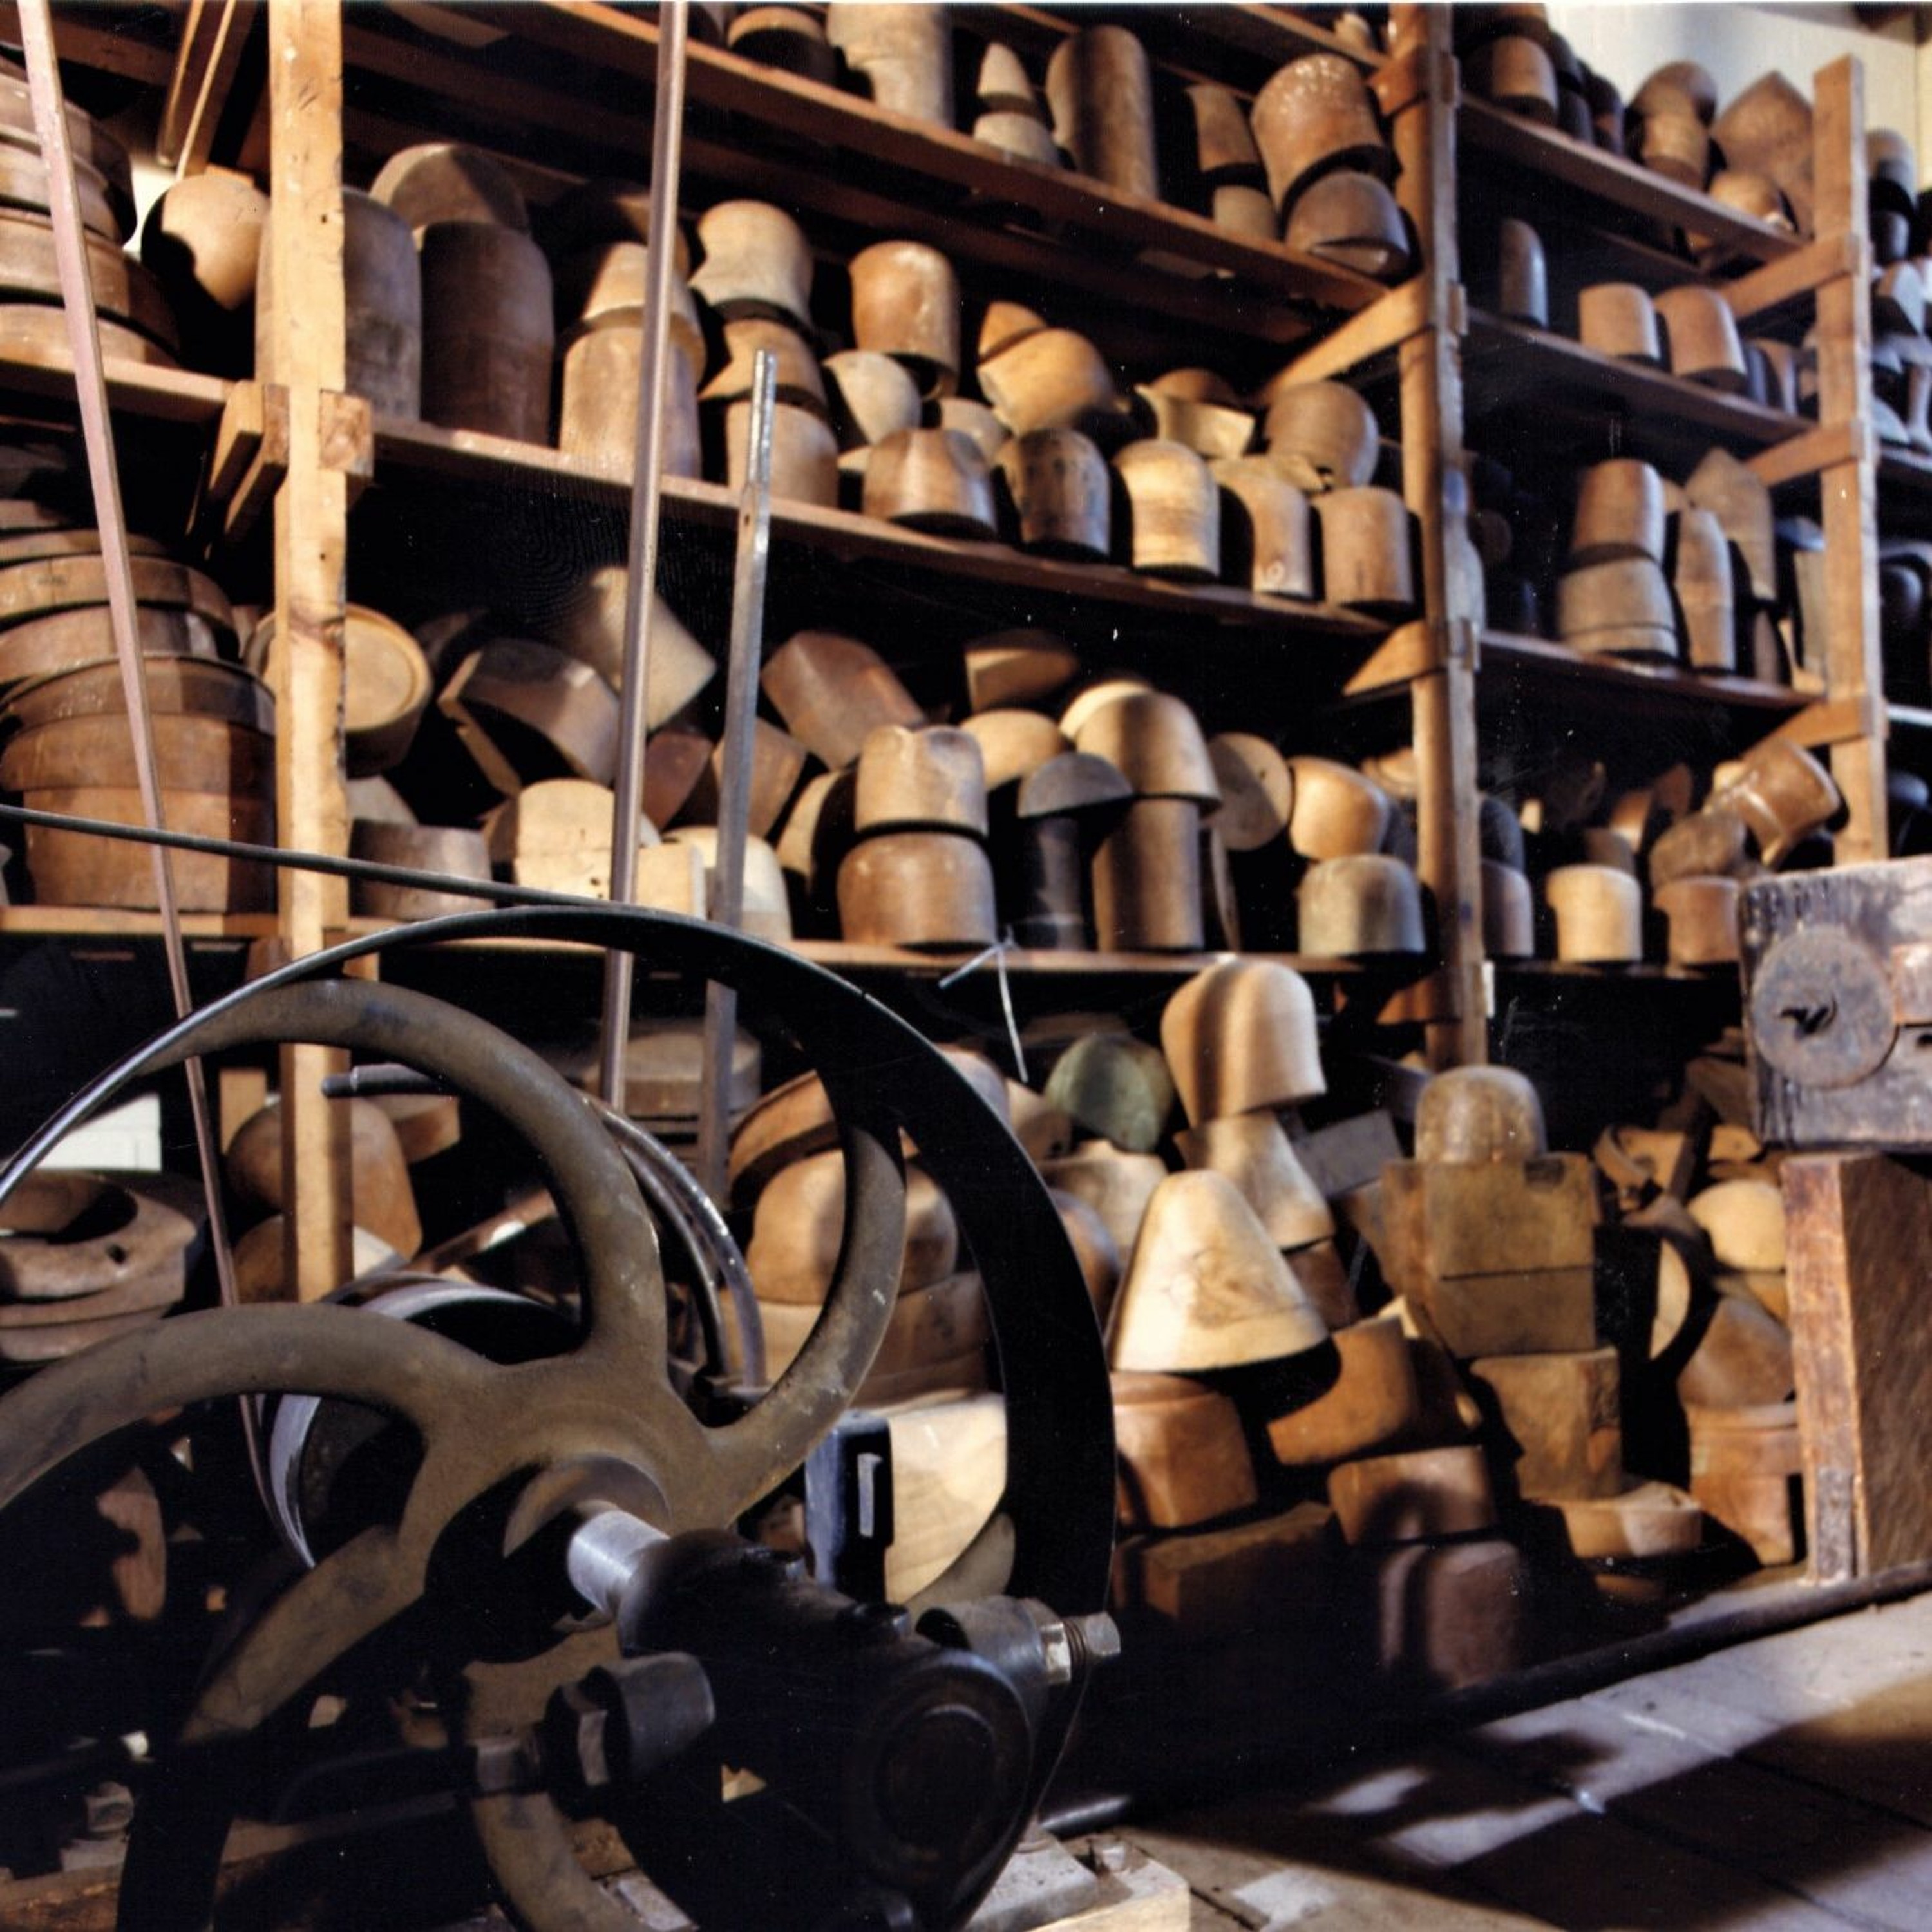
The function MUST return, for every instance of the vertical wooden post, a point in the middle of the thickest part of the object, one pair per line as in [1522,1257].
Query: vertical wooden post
[1853,665]
[1443,700]
[311,551]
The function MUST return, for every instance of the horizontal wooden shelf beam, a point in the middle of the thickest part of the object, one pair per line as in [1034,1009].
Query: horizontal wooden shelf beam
[55,922]
[134,388]
[1549,154]
[626,41]
[1508,364]
[1543,656]
[470,456]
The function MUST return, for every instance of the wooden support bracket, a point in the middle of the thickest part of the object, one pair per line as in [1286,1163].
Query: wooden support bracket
[1413,651]
[214,40]
[1378,330]
[1411,77]
[1815,451]
[1855,718]
[348,438]
[1791,276]
[251,458]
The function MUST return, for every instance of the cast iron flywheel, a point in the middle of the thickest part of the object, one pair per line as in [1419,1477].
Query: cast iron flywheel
[518,1448]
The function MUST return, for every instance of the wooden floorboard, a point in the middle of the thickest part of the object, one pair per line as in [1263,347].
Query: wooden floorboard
[1784,1786]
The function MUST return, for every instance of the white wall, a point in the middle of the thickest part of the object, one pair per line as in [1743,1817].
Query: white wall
[1738,42]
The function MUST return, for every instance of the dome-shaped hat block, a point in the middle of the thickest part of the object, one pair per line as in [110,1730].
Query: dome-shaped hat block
[1314,115]
[905,303]
[1115,1086]
[1173,521]
[932,479]
[1267,530]
[871,396]
[756,261]
[1509,913]
[1243,1036]
[1064,809]
[597,409]
[1367,554]
[1365,907]
[1783,795]
[800,379]
[1702,335]
[1491,1239]
[926,889]
[1620,513]
[1321,435]
[1522,278]
[1045,379]
[382,1195]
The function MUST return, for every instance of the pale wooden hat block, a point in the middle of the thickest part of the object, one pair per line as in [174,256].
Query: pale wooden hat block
[1115,1184]
[1017,667]
[597,403]
[1101,91]
[525,711]
[798,1230]
[1375,1402]
[932,889]
[1257,787]
[1321,435]
[1206,1289]
[930,776]
[1619,319]
[1050,379]
[1254,1152]
[832,691]
[757,261]
[1337,813]
[1058,481]
[905,303]
[1745,1468]
[1242,1036]
[1155,742]
[1509,913]
[932,479]
[1413,1496]
[1013,745]
[589,624]
[1620,513]
[766,911]
[1703,916]
[384,1200]
[1599,912]
[1744,1221]
[948,1474]
[805,453]
[1183,1454]
[1267,536]
[449,850]
[1479,1113]
[1174,510]
[1742,1360]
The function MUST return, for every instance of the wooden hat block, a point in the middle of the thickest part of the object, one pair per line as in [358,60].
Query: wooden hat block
[1115,1086]
[832,691]
[1477,1113]
[1315,114]
[1023,667]
[805,453]
[798,1229]
[766,912]
[1783,794]
[1257,787]
[934,1337]
[905,303]
[1413,1496]
[1351,219]
[872,398]
[932,479]
[1057,482]
[1100,89]
[1367,551]
[1063,809]
[948,1474]
[1702,579]
[778,763]
[1562,1413]
[1599,912]
[1746,1473]
[757,262]
[1618,319]
[597,402]
[1094,1247]
[1254,1152]
[1146,879]
[799,378]
[384,1199]
[1509,913]
[905,54]
[1117,1185]
[1375,1402]
[489,331]
[453,850]
[1268,533]
[924,889]
[1620,513]
[931,776]
[1048,379]
[1240,1036]
[1745,1222]
[1321,436]
[1184,1454]
[557,835]
[1013,745]
[1703,916]
[1156,743]
[1174,510]
[525,711]
[1336,812]
[1702,331]
[1647,1520]
[1206,1290]
[1368,906]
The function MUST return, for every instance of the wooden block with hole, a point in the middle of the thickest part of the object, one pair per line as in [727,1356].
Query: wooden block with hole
[1214,1585]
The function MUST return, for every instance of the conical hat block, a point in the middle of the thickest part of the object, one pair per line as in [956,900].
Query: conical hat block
[798,1228]
[1479,1113]
[1116,1185]
[1206,1289]
[1254,1152]
[1240,1035]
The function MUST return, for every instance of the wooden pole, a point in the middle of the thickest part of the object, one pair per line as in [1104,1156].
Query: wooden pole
[311,553]
[1443,698]
[734,789]
[1848,489]
[666,134]
[50,122]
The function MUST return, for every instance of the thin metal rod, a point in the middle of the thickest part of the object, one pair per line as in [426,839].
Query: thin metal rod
[667,142]
[292,858]
[83,326]
[738,751]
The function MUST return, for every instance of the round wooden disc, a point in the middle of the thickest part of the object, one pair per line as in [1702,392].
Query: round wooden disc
[207,687]
[67,582]
[206,755]
[30,329]
[122,288]
[68,640]
[23,185]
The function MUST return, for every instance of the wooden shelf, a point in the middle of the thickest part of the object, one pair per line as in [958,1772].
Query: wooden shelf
[1543,154]
[467,455]
[135,389]
[1649,972]
[941,160]
[1510,365]
[105,922]
[1542,658]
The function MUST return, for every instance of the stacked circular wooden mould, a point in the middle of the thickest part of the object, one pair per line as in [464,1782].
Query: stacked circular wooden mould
[65,742]
[138,323]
